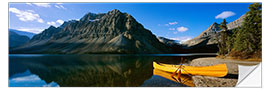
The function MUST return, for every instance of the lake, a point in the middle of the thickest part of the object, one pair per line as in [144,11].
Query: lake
[92,70]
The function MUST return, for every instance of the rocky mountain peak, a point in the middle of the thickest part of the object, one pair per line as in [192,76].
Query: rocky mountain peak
[91,16]
[46,34]
[236,23]
[212,29]
[215,23]
[112,32]
[66,23]
[51,27]
[207,37]
[114,11]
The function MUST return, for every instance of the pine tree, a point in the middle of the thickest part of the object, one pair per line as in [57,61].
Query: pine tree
[248,39]
[223,25]
[223,38]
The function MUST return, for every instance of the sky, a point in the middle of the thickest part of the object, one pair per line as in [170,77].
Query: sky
[178,21]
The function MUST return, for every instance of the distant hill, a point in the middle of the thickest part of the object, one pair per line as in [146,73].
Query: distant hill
[16,39]
[112,32]
[168,42]
[28,34]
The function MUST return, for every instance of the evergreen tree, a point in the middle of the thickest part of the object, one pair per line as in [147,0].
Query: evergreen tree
[223,25]
[248,38]
[223,38]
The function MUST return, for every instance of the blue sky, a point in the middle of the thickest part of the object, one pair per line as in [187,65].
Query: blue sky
[180,21]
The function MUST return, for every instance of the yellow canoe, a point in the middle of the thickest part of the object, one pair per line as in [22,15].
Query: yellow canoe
[219,70]
[185,79]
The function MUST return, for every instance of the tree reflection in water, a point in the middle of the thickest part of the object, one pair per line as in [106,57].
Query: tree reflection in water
[86,70]
[95,70]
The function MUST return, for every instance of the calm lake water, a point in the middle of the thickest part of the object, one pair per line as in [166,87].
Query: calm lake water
[97,70]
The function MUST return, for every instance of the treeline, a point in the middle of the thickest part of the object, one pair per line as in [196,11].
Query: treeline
[246,41]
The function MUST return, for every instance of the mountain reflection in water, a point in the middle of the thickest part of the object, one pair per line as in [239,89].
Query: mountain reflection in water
[87,70]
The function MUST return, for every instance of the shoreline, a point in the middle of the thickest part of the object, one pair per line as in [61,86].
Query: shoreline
[228,81]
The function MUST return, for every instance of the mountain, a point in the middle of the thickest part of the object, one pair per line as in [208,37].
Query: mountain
[112,32]
[236,23]
[207,37]
[168,42]
[16,39]
[204,43]
[28,34]
[207,40]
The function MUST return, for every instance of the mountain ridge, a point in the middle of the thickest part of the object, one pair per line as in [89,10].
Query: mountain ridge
[16,39]
[96,33]
[28,34]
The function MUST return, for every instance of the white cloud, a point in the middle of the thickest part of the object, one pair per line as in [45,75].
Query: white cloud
[182,29]
[182,39]
[173,23]
[51,23]
[58,3]
[40,20]
[171,28]
[33,30]
[60,21]
[28,4]
[42,4]
[27,15]
[225,14]
[60,6]
[57,22]
[32,11]
[57,6]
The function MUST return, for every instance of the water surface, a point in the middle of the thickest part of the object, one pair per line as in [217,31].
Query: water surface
[94,70]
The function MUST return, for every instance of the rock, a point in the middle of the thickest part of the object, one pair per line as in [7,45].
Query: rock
[112,32]
[205,81]
[228,81]
[236,23]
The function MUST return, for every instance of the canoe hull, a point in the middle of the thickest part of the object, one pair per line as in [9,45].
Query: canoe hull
[219,70]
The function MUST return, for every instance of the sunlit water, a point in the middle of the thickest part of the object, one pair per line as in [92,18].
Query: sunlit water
[96,70]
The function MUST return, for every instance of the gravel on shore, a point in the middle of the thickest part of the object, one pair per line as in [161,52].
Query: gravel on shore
[206,81]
